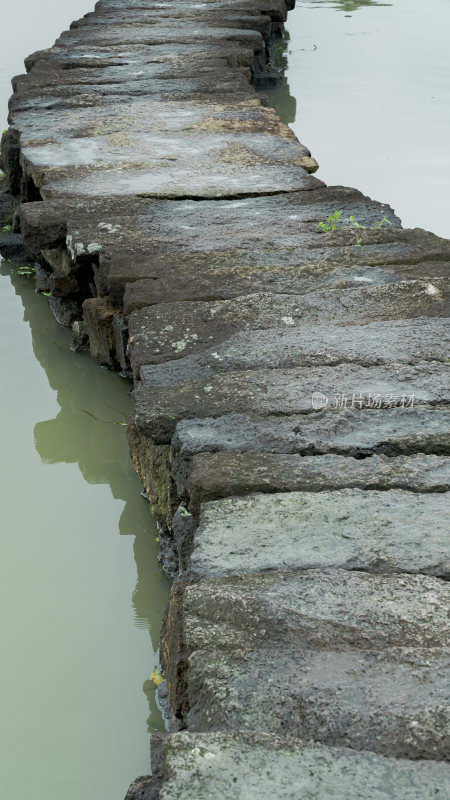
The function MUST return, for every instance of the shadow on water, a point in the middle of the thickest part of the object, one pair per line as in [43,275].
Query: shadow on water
[345,5]
[89,431]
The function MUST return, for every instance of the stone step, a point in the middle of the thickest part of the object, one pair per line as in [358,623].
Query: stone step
[114,152]
[350,431]
[336,657]
[290,391]
[175,330]
[400,341]
[246,765]
[216,475]
[212,226]
[374,531]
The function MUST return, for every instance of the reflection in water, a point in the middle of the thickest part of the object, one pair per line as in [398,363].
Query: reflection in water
[345,5]
[89,431]
[282,101]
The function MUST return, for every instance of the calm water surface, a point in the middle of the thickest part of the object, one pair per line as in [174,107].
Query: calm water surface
[368,91]
[81,593]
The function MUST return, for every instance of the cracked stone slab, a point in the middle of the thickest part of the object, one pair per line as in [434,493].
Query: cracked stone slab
[163,150]
[243,765]
[174,330]
[401,341]
[301,257]
[377,531]
[286,392]
[336,657]
[216,475]
[352,432]
[186,283]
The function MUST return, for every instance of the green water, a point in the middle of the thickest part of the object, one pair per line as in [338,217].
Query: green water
[81,592]
[367,89]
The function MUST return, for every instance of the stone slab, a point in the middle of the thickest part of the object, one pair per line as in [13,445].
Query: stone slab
[353,432]
[216,475]
[377,531]
[163,149]
[400,341]
[242,766]
[175,330]
[340,658]
[290,391]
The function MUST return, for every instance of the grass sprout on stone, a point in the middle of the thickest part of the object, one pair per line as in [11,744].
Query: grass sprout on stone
[384,221]
[332,222]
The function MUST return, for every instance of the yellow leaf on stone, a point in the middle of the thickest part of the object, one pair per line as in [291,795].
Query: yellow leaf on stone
[156,677]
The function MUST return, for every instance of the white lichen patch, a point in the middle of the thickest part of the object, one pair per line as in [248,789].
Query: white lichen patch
[288,320]
[432,290]
[107,226]
[179,346]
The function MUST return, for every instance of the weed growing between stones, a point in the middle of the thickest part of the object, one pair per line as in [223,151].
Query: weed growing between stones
[334,222]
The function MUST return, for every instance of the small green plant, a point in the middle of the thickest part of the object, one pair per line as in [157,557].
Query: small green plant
[7,228]
[384,221]
[332,222]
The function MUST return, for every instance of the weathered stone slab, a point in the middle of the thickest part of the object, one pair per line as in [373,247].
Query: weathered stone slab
[247,765]
[336,657]
[352,432]
[175,330]
[286,392]
[163,149]
[195,266]
[186,283]
[377,531]
[215,475]
[171,31]
[401,341]
[307,257]
[268,223]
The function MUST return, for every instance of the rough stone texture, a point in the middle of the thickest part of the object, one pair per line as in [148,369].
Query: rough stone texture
[242,766]
[341,658]
[349,431]
[144,788]
[286,392]
[175,330]
[175,220]
[380,531]
[224,474]
[368,345]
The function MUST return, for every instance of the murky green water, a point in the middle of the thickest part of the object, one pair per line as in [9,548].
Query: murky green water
[368,90]
[81,592]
